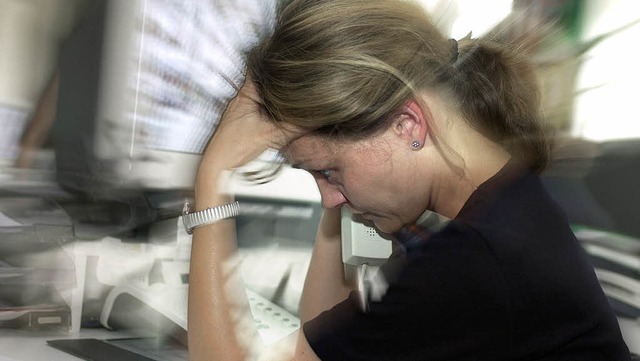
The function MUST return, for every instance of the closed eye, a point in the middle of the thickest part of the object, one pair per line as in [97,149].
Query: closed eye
[325,173]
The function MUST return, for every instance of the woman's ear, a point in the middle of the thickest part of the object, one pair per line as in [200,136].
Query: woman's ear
[411,124]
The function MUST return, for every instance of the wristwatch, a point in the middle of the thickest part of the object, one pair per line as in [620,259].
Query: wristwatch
[208,216]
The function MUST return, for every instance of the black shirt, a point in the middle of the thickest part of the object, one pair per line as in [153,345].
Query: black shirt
[505,280]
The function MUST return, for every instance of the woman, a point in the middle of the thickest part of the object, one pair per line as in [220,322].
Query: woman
[393,120]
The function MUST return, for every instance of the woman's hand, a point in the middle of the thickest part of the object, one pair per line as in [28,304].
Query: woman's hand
[244,132]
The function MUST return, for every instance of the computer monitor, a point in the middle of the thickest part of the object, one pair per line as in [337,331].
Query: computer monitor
[143,84]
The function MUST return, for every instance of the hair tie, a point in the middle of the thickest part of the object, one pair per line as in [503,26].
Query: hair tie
[454,50]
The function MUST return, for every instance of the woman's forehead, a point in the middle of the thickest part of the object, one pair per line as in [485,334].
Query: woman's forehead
[309,148]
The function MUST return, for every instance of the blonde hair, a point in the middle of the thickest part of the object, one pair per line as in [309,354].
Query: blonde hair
[341,68]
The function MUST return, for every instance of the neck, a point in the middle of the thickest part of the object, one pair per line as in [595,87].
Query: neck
[476,159]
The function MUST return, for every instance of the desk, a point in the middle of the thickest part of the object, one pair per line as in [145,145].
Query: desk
[20,345]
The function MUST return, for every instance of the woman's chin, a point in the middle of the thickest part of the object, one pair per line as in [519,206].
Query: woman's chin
[387,226]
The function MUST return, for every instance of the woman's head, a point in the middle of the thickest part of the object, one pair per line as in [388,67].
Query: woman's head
[348,71]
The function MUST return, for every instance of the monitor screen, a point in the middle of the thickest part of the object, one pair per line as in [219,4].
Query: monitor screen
[143,85]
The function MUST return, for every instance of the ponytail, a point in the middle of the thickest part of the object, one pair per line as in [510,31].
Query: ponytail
[498,94]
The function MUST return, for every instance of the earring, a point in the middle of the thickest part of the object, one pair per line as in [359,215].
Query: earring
[415,144]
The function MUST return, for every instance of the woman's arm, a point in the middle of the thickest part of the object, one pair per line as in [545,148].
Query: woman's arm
[325,285]
[214,300]
[219,318]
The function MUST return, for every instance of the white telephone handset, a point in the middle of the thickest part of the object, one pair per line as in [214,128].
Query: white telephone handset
[364,249]
[362,243]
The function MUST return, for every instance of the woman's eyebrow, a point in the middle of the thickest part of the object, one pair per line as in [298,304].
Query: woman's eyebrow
[300,165]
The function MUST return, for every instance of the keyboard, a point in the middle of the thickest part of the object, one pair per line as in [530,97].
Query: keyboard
[163,308]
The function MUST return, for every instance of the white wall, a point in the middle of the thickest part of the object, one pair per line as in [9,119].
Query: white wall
[456,18]
[612,109]
[30,32]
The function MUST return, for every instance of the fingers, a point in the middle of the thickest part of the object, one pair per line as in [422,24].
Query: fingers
[245,131]
[281,133]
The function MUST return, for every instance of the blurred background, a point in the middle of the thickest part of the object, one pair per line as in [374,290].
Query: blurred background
[106,105]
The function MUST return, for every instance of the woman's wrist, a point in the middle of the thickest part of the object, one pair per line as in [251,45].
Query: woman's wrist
[211,189]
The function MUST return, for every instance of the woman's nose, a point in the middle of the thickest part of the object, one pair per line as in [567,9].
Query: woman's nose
[331,196]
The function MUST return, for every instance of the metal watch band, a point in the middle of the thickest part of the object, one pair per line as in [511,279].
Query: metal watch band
[208,216]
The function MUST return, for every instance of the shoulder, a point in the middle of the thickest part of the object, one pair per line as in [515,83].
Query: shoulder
[514,205]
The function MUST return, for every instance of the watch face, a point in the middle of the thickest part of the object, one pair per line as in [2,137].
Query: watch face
[186,208]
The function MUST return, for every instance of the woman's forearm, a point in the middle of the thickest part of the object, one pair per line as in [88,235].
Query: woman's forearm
[217,301]
[325,285]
